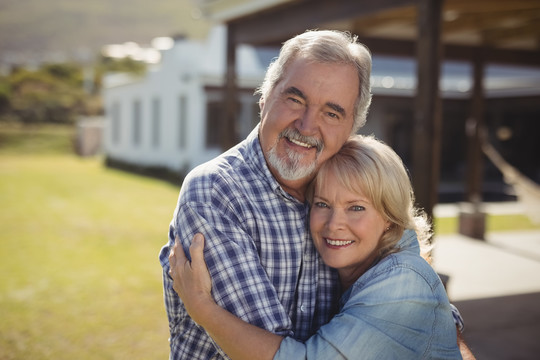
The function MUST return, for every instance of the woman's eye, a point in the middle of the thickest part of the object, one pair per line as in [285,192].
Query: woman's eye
[357,208]
[321,204]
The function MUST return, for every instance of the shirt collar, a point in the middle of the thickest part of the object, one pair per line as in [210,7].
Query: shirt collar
[409,242]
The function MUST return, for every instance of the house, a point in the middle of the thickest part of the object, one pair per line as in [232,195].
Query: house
[170,117]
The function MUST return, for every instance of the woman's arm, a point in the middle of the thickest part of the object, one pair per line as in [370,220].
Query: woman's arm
[239,339]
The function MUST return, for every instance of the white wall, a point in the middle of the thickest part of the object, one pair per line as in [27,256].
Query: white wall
[185,71]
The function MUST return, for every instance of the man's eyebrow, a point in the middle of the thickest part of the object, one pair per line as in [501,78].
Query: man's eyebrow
[337,108]
[295,91]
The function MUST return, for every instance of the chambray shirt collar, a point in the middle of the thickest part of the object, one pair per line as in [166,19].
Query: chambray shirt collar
[409,242]
[259,165]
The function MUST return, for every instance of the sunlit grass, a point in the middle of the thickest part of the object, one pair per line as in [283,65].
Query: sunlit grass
[494,223]
[78,257]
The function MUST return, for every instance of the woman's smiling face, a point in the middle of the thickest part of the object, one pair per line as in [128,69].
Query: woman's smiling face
[345,227]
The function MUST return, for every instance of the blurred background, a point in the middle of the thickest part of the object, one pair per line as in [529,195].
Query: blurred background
[106,105]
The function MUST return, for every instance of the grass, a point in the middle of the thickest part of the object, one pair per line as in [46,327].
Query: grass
[78,253]
[494,223]
[78,257]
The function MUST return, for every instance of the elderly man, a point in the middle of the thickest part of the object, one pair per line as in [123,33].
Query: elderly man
[249,202]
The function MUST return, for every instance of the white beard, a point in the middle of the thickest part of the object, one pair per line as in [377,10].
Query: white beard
[290,168]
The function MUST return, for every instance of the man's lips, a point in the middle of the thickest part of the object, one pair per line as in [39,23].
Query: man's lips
[300,143]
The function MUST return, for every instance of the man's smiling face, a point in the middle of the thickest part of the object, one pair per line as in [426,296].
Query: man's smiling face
[306,118]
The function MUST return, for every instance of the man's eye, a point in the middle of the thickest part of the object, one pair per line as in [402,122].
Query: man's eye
[296,101]
[333,118]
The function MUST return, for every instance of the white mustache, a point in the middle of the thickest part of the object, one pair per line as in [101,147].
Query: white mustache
[293,134]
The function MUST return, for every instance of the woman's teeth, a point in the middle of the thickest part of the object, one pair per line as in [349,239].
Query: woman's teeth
[338,243]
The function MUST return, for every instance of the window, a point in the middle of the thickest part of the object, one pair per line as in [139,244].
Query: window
[214,114]
[182,121]
[156,121]
[115,123]
[136,122]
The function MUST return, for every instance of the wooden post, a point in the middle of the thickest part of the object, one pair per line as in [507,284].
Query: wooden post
[473,127]
[228,123]
[472,221]
[427,117]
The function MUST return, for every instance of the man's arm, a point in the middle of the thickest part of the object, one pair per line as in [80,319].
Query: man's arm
[466,353]
[240,283]
[239,339]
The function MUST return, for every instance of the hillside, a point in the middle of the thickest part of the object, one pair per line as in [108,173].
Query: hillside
[36,28]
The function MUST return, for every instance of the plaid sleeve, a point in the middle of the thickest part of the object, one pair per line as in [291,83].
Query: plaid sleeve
[239,283]
[458,319]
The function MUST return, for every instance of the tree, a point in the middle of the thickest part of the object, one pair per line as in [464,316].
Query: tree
[50,94]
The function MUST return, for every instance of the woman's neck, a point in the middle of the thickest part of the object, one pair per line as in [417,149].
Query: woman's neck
[349,275]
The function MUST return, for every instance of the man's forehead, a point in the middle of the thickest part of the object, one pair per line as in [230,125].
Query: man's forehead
[336,76]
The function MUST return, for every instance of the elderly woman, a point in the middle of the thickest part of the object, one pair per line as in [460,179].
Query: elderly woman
[393,304]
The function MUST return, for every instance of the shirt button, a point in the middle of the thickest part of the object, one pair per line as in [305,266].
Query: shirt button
[302,308]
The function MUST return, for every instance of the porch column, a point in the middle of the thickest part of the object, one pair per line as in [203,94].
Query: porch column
[427,116]
[228,123]
[472,220]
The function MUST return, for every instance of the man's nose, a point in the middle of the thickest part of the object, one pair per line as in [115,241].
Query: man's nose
[307,123]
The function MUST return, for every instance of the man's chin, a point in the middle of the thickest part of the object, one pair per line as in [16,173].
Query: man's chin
[292,165]
[295,172]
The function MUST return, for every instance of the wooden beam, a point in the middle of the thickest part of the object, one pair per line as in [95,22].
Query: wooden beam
[285,21]
[455,52]
[427,116]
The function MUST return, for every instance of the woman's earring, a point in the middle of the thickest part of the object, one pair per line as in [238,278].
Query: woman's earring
[388,228]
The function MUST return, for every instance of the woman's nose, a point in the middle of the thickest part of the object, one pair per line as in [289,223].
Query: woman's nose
[336,220]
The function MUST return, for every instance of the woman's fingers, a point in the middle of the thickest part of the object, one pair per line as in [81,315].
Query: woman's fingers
[176,256]
[196,249]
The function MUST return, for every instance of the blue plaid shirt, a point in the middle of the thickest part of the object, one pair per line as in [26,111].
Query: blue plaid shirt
[263,264]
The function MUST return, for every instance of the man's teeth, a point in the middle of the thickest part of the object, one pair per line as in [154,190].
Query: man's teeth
[300,143]
[338,243]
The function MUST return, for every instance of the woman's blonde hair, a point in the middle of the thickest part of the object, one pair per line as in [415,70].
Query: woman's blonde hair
[368,165]
[325,46]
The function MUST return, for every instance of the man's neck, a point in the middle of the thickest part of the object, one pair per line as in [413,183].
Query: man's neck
[296,189]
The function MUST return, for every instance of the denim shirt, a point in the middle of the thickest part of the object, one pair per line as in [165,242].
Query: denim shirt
[398,309]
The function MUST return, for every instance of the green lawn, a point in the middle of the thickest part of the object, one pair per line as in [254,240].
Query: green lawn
[78,258]
[78,253]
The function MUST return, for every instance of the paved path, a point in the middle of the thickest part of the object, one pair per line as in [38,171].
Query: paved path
[495,283]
